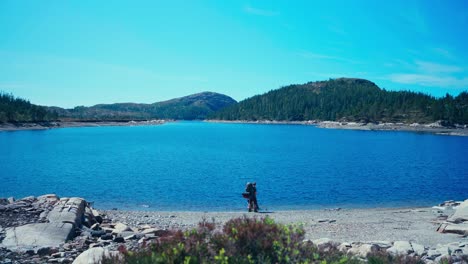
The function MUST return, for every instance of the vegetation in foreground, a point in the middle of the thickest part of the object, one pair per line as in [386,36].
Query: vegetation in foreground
[245,240]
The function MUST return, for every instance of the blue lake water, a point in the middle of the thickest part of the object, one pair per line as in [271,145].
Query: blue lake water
[204,166]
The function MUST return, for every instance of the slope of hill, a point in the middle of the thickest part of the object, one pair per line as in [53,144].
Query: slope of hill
[347,99]
[14,110]
[196,106]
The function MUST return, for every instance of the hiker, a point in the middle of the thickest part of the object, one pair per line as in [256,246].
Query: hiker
[251,189]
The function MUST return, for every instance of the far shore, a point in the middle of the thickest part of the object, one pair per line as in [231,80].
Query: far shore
[64,124]
[432,128]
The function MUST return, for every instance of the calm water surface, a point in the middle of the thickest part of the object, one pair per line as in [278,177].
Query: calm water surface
[204,166]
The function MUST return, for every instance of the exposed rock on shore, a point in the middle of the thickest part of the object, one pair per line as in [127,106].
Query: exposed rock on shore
[49,229]
[458,222]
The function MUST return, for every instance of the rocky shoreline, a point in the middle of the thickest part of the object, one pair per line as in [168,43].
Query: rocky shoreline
[49,229]
[433,128]
[64,124]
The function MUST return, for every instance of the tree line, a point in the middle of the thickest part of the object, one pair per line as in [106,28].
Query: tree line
[347,99]
[13,109]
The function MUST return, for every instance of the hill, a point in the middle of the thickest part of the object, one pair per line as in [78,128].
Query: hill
[192,107]
[13,109]
[347,99]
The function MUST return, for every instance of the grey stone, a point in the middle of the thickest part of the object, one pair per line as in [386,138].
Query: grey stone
[48,198]
[119,239]
[418,249]
[43,251]
[68,210]
[461,228]
[344,247]
[98,233]
[119,228]
[433,254]
[37,235]
[3,201]
[11,200]
[94,255]
[96,226]
[324,244]
[400,248]
[364,250]
[28,199]
[106,237]
[461,213]
[65,216]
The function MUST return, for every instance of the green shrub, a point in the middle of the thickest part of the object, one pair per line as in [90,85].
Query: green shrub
[243,240]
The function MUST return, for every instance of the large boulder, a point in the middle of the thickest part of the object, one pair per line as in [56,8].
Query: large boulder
[458,222]
[461,213]
[400,248]
[363,250]
[95,255]
[37,235]
[68,210]
[66,215]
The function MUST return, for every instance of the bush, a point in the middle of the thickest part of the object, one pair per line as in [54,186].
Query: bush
[243,240]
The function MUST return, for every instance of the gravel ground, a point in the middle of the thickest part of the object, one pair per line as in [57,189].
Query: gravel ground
[417,225]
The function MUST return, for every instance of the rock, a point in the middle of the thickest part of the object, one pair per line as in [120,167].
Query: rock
[344,247]
[48,198]
[95,255]
[149,231]
[98,233]
[96,226]
[43,251]
[400,248]
[461,213]
[383,244]
[3,201]
[363,250]
[432,254]
[37,235]
[119,228]
[418,249]
[11,200]
[106,237]
[2,208]
[68,210]
[324,244]
[58,255]
[97,216]
[461,228]
[65,216]
[119,239]
[28,199]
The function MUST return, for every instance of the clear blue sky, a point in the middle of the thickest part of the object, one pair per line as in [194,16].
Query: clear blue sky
[69,53]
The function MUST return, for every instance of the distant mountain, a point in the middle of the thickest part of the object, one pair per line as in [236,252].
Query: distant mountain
[347,99]
[13,109]
[196,106]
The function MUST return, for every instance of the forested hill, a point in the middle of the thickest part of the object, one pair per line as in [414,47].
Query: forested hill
[14,109]
[347,99]
[196,106]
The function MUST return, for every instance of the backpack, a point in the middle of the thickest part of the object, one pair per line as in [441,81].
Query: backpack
[249,187]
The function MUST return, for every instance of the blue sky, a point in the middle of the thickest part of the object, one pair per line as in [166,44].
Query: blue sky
[69,53]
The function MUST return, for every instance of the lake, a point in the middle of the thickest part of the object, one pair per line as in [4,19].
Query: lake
[203,166]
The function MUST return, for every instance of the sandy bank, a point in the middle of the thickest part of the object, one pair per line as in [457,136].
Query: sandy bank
[345,225]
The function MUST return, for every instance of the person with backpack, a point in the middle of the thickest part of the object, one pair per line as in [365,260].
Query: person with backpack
[251,194]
